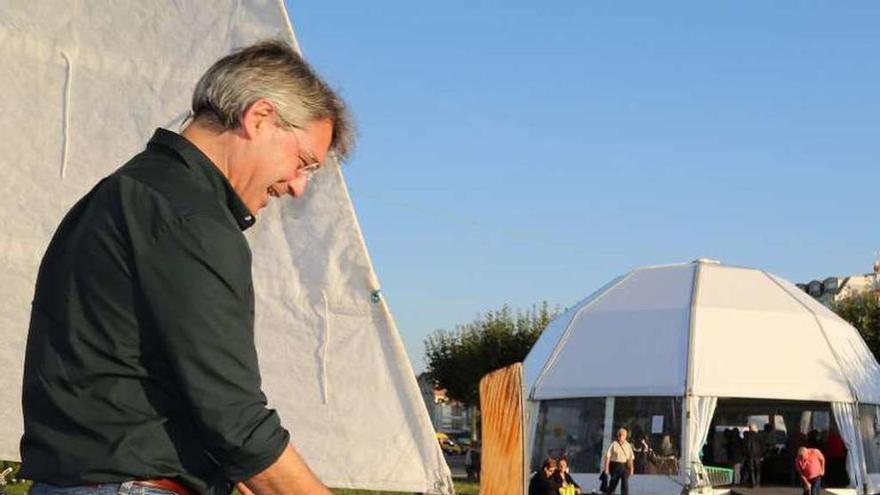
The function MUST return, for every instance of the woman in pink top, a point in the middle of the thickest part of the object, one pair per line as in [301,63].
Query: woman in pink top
[810,465]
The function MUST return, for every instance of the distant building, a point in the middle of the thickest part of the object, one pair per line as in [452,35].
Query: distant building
[833,289]
[447,415]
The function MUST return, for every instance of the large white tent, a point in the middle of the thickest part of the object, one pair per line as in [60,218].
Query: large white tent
[84,85]
[682,331]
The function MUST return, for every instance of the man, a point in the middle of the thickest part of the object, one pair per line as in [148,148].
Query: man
[810,465]
[619,463]
[140,366]
[753,452]
[544,481]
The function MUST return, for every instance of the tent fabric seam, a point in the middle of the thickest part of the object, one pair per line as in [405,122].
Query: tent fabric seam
[685,467]
[692,315]
[65,127]
[565,334]
[849,385]
[667,265]
[289,24]
[324,347]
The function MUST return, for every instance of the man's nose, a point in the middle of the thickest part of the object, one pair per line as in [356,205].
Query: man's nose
[297,187]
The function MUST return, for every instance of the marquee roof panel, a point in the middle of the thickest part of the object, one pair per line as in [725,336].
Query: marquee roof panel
[706,328]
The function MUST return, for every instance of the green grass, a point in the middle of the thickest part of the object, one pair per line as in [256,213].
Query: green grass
[465,488]
[18,488]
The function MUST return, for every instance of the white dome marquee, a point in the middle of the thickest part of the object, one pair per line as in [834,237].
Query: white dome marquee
[678,338]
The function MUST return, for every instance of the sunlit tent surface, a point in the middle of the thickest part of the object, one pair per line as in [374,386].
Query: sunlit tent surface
[668,342]
[84,85]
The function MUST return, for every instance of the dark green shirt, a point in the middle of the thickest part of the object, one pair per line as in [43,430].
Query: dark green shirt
[140,356]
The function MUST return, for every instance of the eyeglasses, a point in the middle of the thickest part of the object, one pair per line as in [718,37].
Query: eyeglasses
[308,171]
[308,165]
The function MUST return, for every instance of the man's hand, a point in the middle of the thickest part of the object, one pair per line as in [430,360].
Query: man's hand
[289,475]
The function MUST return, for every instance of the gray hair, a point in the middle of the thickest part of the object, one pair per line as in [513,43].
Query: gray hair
[272,70]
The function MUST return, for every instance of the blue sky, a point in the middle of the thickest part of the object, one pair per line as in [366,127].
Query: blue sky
[513,152]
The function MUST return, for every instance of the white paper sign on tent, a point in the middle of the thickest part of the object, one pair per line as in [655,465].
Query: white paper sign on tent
[656,424]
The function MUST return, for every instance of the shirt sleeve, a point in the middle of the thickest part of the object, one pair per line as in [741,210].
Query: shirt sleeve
[197,284]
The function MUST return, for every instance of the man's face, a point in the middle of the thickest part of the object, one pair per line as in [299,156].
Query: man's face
[621,436]
[277,162]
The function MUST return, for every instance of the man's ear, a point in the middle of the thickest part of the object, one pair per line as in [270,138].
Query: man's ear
[258,117]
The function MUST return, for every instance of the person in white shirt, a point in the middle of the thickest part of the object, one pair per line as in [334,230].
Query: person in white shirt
[618,463]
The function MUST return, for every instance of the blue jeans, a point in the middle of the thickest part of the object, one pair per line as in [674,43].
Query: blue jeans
[127,488]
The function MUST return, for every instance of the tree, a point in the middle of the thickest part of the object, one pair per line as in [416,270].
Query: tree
[862,310]
[457,360]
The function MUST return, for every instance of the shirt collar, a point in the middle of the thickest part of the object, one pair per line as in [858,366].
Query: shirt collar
[200,163]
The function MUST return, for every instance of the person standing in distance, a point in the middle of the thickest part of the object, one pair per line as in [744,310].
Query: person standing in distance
[619,463]
[753,450]
[141,371]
